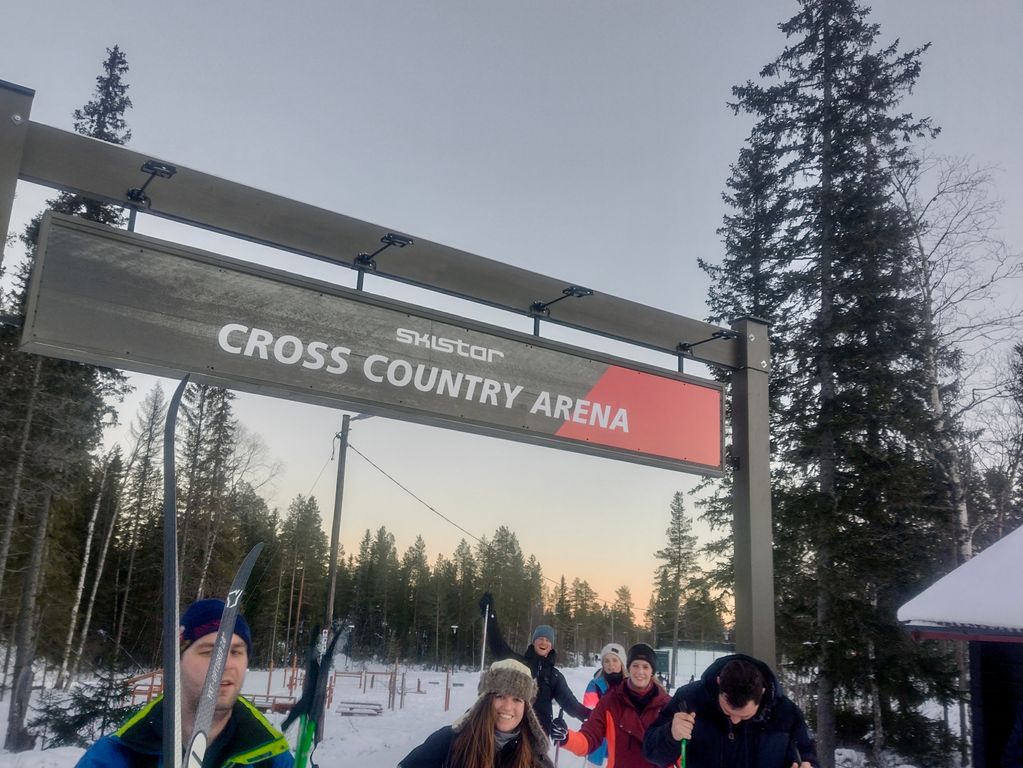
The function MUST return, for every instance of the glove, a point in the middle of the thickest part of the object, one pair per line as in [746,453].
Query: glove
[486,604]
[559,730]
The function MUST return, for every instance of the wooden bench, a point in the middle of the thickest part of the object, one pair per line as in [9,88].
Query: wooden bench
[359,708]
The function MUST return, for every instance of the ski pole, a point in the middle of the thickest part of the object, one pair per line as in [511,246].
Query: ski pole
[557,749]
[483,650]
[682,748]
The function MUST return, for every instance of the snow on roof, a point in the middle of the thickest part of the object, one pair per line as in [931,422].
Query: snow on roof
[981,595]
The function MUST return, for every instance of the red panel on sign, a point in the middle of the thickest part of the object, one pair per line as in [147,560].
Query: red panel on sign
[665,417]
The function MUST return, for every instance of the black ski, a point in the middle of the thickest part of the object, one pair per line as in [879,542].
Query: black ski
[171,668]
[218,660]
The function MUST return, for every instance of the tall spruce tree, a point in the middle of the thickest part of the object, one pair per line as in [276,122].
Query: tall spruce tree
[817,245]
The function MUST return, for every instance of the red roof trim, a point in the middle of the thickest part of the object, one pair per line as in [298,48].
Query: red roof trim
[972,635]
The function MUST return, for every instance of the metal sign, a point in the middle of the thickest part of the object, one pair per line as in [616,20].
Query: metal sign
[119,299]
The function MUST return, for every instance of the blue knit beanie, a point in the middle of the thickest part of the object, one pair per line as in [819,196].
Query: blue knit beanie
[544,630]
[203,617]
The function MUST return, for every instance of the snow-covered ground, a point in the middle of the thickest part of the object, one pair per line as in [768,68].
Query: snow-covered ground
[379,741]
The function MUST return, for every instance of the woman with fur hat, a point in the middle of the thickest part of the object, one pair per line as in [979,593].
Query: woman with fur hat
[499,731]
[541,658]
[610,674]
[622,715]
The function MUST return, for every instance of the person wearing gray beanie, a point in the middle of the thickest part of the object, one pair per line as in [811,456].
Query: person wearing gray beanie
[499,731]
[541,658]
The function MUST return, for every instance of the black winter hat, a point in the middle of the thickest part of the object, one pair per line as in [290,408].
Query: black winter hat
[643,652]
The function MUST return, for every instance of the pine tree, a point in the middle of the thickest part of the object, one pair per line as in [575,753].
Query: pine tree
[141,517]
[384,596]
[80,716]
[680,567]
[414,584]
[57,407]
[361,616]
[623,621]
[562,609]
[468,619]
[303,538]
[848,398]
[205,454]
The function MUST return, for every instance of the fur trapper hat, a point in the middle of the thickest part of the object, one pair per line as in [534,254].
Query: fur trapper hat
[511,678]
[617,650]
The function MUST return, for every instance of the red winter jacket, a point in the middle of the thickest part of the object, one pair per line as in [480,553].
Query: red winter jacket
[615,718]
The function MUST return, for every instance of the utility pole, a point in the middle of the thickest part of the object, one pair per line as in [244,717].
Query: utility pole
[335,528]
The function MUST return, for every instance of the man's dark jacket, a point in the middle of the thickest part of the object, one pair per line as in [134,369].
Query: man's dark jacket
[550,683]
[776,737]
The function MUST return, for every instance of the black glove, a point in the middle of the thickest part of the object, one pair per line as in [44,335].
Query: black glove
[559,730]
[486,604]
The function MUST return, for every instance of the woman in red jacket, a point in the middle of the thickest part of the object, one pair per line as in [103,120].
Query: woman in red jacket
[622,715]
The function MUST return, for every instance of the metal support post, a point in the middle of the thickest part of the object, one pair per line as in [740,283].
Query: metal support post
[15,106]
[751,455]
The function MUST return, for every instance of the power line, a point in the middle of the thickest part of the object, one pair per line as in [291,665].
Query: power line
[313,486]
[441,515]
[410,493]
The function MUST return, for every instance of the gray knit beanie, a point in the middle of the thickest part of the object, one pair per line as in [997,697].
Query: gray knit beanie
[544,630]
[617,650]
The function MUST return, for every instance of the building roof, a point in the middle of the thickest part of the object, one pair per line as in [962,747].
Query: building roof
[979,600]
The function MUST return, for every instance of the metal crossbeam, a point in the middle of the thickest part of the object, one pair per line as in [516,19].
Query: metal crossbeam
[106,172]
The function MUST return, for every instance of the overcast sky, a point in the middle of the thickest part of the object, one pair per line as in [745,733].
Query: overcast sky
[585,140]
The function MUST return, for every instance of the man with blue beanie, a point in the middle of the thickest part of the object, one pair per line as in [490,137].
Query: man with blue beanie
[239,734]
[540,657]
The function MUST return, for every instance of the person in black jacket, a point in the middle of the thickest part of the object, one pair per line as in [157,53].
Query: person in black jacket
[734,716]
[540,657]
